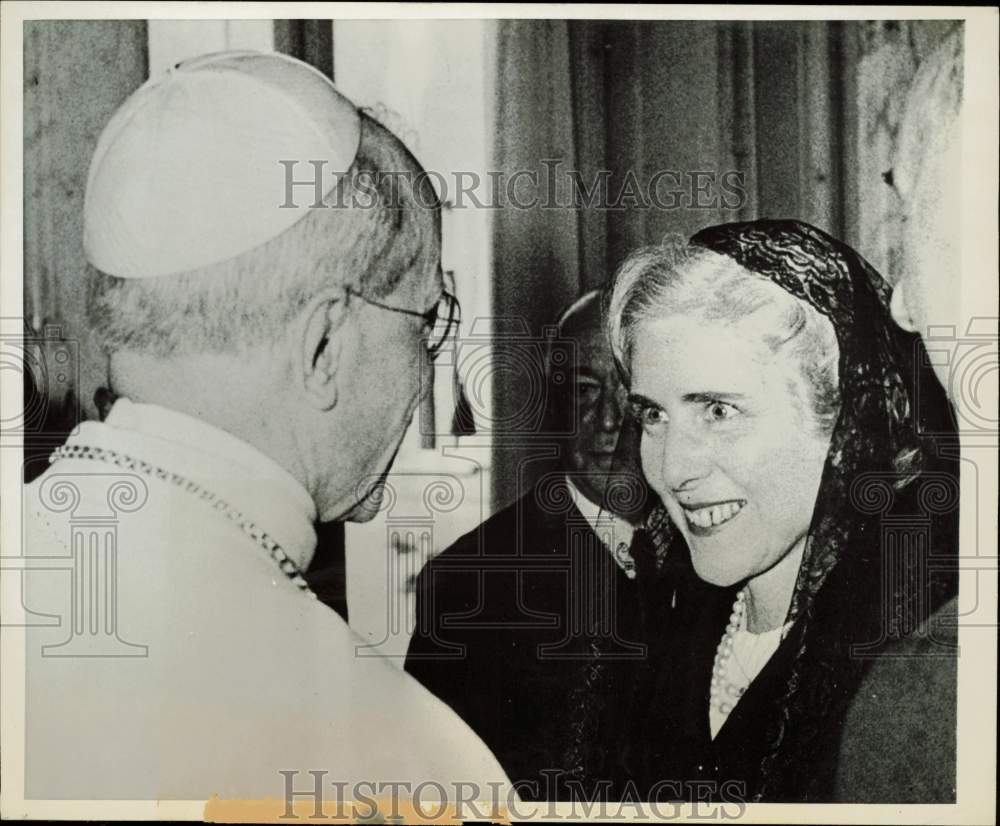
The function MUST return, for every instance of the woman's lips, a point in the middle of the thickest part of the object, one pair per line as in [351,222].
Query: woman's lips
[704,520]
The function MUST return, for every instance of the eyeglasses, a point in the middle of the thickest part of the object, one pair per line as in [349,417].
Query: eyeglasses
[440,320]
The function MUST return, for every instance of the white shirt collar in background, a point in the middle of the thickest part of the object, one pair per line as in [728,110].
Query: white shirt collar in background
[612,530]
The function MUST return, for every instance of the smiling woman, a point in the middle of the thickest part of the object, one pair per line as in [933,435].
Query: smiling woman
[769,384]
[729,445]
[734,392]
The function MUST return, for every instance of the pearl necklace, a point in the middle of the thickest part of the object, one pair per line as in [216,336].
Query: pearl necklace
[724,694]
[747,652]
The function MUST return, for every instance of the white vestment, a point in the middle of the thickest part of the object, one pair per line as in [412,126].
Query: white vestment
[185,664]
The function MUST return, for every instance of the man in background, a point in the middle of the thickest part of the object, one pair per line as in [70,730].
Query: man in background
[513,618]
[268,340]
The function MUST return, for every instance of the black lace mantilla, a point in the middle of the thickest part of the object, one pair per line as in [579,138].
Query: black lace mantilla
[876,425]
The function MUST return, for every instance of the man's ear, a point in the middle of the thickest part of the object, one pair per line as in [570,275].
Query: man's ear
[319,345]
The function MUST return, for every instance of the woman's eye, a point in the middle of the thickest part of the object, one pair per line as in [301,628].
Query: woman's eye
[648,415]
[587,393]
[720,411]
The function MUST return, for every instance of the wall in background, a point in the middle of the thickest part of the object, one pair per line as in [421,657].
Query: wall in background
[76,73]
[171,41]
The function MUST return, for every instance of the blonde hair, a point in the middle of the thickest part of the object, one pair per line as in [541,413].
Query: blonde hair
[657,282]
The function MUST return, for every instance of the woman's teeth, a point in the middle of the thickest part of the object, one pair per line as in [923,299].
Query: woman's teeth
[713,515]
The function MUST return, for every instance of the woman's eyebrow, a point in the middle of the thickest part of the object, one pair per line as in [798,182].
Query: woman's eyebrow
[638,398]
[713,396]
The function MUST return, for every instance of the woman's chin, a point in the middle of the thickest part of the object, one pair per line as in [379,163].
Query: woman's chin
[707,566]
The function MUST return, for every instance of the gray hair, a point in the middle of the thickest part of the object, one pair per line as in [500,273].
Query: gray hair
[377,233]
[661,281]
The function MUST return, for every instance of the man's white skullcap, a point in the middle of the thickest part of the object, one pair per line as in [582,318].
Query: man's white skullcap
[187,173]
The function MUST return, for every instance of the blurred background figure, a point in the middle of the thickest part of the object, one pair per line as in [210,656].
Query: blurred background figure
[926,179]
[907,703]
[512,618]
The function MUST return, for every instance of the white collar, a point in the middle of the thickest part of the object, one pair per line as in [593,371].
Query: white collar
[229,467]
[612,530]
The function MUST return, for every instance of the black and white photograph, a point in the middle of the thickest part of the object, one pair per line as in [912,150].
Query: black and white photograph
[430,413]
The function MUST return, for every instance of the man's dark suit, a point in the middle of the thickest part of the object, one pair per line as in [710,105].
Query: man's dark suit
[532,633]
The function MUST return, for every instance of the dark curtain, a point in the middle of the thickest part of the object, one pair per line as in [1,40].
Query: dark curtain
[536,249]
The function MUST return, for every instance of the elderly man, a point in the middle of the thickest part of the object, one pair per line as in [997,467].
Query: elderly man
[907,705]
[513,618]
[266,340]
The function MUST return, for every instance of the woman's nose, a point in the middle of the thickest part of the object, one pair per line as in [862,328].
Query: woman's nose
[683,458]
